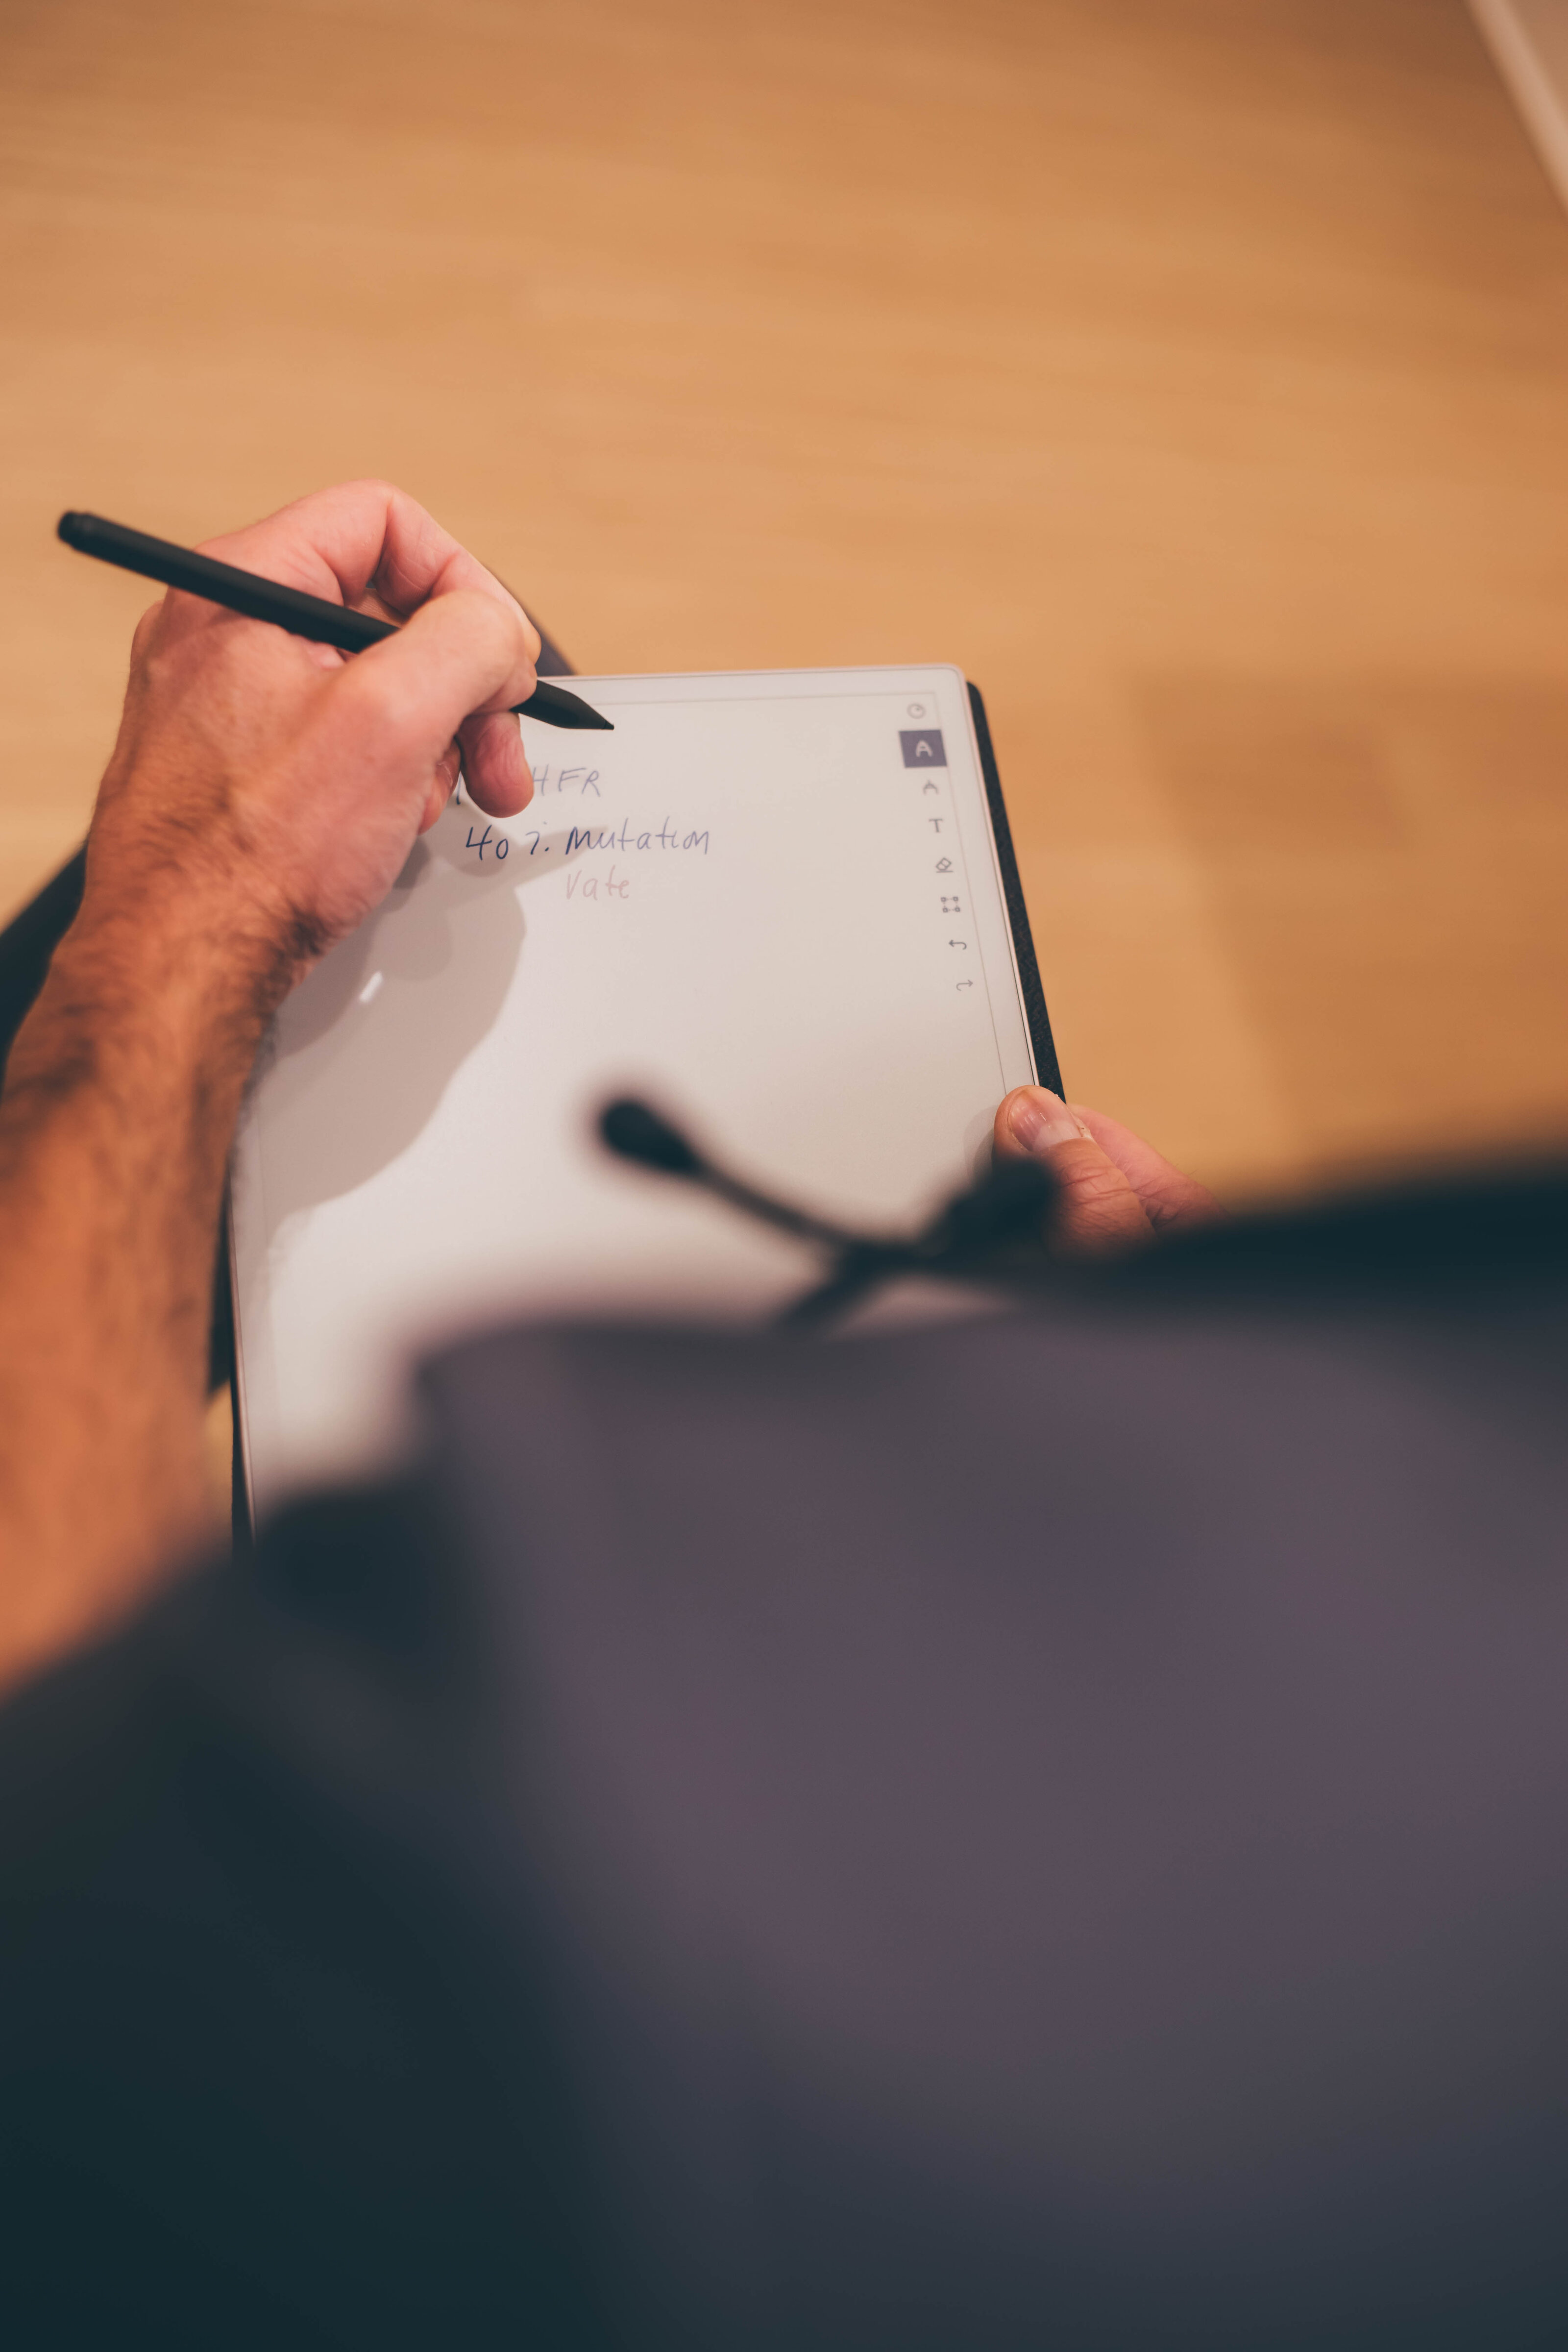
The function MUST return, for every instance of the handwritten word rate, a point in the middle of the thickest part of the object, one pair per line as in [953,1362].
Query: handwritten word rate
[609,886]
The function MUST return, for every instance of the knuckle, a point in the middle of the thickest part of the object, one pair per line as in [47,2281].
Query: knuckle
[141,644]
[1097,1208]
[162,667]
[373,487]
[504,632]
[1084,1170]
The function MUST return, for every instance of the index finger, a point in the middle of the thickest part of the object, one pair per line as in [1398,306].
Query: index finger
[359,537]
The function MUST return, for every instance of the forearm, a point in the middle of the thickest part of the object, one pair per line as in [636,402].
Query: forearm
[120,1103]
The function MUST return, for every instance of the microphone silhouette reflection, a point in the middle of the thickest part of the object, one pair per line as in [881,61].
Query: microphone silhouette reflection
[990,1232]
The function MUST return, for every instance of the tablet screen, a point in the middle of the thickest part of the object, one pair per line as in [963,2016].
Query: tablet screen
[771,903]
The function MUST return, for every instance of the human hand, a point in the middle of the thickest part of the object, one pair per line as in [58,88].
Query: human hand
[1114,1190]
[264,792]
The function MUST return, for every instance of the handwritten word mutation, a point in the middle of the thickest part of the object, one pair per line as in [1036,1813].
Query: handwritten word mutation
[624,837]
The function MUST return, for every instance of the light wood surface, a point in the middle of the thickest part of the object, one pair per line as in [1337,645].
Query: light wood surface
[1194,371]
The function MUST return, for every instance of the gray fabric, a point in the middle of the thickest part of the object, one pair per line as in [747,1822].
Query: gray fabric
[1048,1832]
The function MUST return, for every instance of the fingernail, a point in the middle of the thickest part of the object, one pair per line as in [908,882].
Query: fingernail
[1039,1119]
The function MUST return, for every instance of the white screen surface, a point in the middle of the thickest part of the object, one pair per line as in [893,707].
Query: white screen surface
[769,902]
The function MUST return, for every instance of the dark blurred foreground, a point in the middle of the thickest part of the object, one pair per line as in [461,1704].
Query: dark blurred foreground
[1049,1832]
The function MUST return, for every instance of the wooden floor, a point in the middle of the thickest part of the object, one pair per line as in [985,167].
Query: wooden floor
[1194,371]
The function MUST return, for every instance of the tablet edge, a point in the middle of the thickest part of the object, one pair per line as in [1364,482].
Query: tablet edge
[1042,1045]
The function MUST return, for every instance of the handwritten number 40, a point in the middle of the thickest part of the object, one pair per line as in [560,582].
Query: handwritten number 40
[499,843]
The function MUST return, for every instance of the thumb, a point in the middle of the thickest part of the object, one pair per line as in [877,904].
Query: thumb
[1096,1208]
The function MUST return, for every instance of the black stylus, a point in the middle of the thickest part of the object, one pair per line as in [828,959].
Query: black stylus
[285,608]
